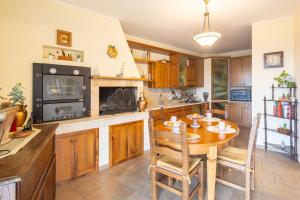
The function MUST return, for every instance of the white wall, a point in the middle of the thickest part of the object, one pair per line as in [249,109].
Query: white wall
[270,36]
[28,25]
[297,62]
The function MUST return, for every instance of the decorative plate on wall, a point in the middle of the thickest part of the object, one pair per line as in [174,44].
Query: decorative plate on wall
[273,60]
[112,51]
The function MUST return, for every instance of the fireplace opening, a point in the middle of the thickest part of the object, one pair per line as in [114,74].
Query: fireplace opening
[115,100]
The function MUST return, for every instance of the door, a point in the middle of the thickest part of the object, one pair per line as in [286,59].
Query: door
[64,150]
[118,144]
[247,71]
[86,151]
[236,72]
[235,112]
[135,139]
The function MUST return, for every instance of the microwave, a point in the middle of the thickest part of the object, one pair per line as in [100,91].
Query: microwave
[240,95]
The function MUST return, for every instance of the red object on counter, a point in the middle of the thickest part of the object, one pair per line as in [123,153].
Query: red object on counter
[279,109]
[13,127]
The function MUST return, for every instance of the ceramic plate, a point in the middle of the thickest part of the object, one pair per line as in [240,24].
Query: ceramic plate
[215,129]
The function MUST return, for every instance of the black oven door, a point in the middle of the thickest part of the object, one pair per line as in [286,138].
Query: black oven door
[61,111]
[63,87]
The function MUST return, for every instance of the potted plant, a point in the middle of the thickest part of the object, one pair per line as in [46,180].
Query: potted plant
[284,79]
[17,99]
[3,103]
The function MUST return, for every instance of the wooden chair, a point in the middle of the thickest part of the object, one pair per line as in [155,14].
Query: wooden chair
[221,112]
[175,164]
[5,125]
[242,160]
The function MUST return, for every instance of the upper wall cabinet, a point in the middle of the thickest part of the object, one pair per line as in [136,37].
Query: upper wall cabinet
[160,73]
[241,71]
[195,72]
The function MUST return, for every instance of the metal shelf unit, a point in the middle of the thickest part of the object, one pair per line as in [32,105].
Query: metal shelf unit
[293,120]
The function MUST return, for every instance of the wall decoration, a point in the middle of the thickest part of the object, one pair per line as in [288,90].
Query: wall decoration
[64,38]
[112,51]
[273,60]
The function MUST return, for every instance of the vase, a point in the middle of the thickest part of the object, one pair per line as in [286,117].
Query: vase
[142,102]
[21,115]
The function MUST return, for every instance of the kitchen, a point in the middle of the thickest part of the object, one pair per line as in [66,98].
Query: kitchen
[93,95]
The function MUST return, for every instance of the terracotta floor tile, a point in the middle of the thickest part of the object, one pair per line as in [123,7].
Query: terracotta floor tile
[277,177]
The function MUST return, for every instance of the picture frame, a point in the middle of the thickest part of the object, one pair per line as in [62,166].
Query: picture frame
[64,38]
[274,60]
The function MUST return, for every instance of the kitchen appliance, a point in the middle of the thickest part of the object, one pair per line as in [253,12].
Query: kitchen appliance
[240,95]
[60,92]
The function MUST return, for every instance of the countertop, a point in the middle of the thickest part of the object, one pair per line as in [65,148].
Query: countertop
[176,105]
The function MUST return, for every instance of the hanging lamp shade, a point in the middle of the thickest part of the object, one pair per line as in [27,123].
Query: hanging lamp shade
[207,37]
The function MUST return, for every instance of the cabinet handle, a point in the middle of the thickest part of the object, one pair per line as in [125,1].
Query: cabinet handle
[71,141]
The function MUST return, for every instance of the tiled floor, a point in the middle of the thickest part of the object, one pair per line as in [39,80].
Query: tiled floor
[277,178]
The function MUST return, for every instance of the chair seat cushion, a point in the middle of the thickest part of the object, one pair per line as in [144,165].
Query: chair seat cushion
[174,165]
[233,154]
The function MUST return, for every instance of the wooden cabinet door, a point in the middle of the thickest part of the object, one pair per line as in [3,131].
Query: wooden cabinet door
[247,71]
[64,158]
[188,110]
[235,112]
[199,72]
[174,71]
[47,191]
[235,72]
[191,73]
[161,75]
[118,144]
[135,133]
[86,152]
[246,114]
[178,112]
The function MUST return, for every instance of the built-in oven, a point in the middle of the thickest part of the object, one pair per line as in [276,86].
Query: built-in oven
[240,95]
[60,92]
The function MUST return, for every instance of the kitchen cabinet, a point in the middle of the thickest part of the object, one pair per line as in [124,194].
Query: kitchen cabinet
[240,113]
[160,74]
[195,72]
[241,71]
[174,71]
[30,173]
[77,154]
[126,141]
[47,191]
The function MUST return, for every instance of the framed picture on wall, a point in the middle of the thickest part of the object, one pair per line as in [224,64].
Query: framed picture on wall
[273,60]
[64,38]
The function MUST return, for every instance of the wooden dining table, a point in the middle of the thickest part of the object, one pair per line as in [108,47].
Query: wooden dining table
[208,144]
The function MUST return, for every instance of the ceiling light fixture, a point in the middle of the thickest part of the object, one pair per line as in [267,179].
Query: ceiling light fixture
[206,37]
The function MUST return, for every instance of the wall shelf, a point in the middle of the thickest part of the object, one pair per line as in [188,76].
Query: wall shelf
[120,78]
[57,54]
[143,61]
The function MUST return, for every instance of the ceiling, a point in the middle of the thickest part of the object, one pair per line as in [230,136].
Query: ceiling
[174,22]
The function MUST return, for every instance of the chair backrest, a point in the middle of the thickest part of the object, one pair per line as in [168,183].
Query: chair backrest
[221,112]
[9,114]
[161,141]
[252,139]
